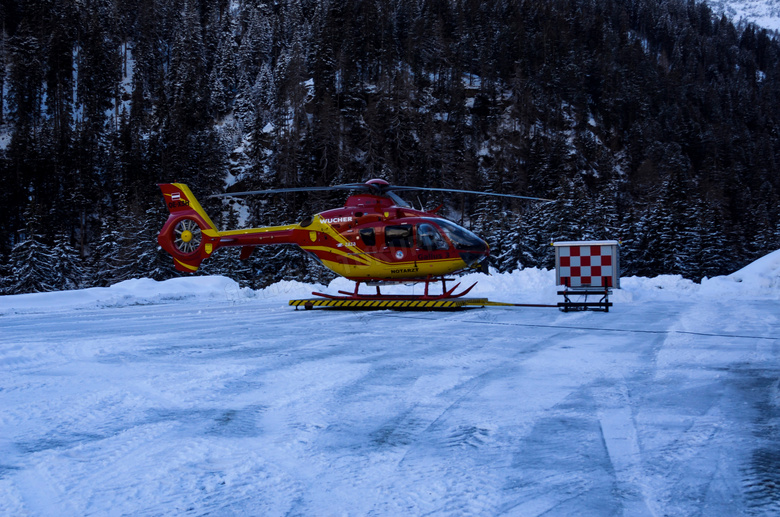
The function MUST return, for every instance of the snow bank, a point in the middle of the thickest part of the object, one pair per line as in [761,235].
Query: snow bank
[761,279]
[530,285]
[661,288]
[143,291]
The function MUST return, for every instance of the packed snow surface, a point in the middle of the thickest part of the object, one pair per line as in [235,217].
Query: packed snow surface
[194,396]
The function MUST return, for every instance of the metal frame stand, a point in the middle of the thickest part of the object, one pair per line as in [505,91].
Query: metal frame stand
[581,303]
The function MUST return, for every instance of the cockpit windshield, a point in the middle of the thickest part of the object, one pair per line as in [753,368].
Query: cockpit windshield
[460,237]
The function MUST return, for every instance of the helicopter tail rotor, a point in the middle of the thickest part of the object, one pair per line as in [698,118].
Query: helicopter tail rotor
[189,235]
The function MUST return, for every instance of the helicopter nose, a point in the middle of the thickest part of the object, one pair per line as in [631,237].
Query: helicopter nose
[476,253]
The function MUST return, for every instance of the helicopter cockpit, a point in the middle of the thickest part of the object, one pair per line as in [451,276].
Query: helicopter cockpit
[460,237]
[426,236]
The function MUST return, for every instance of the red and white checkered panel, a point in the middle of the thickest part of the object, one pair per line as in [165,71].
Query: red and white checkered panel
[586,265]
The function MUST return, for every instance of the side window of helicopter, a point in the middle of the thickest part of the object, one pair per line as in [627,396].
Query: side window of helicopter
[368,236]
[398,236]
[429,238]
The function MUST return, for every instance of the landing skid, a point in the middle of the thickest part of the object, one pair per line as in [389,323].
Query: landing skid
[367,304]
[445,295]
[448,300]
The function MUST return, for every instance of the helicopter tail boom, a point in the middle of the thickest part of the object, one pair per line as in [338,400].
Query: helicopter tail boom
[190,236]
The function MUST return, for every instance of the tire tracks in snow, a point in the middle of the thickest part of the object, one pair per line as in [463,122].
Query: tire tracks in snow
[414,444]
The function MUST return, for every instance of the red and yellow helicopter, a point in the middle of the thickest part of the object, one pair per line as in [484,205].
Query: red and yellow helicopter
[376,238]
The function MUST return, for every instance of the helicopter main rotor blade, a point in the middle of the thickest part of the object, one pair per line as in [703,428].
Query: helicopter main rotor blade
[470,192]
[349,186]
[376,188]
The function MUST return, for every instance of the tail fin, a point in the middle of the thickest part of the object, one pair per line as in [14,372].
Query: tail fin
[188,235]
[179,198]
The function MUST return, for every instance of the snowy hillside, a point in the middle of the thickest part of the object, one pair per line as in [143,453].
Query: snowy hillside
[650,122]
[764,13]
[194,396]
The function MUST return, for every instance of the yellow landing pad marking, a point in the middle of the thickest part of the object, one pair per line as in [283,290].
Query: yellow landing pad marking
[423,305]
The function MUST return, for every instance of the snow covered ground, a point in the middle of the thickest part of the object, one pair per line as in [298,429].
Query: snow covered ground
[195,397]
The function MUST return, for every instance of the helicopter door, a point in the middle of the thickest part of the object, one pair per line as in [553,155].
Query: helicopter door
[399,240]
[429,238]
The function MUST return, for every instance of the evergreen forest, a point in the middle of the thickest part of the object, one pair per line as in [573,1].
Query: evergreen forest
[652,122]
